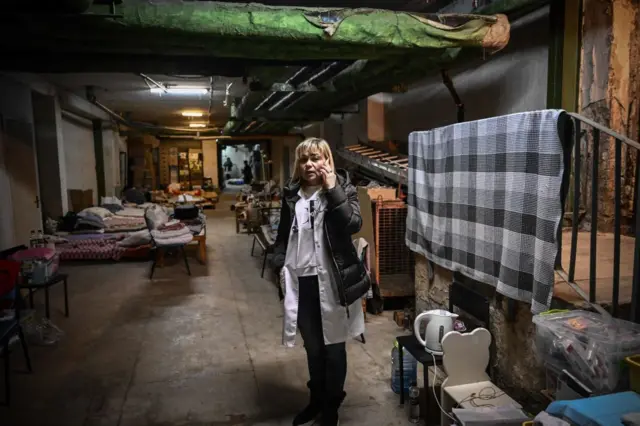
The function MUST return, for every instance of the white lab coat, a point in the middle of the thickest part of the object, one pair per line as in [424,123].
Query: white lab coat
[336,326]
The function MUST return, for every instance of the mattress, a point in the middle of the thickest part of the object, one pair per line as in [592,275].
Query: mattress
[90,249]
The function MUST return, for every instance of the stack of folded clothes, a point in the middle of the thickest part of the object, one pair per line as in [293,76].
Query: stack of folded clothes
[171,234]
[91,220]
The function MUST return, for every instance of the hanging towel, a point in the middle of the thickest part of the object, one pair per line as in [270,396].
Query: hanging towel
[484,200]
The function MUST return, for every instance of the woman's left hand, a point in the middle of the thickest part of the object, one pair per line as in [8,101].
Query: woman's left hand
[328,177]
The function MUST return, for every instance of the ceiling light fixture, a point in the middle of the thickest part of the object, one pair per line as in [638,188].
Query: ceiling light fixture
[181,90]
[197,125]
[192,114]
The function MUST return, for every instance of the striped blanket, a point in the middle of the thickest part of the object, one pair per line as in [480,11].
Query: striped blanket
[484,200]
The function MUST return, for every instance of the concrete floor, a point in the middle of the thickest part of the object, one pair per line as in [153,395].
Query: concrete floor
[604,268]
[179,350]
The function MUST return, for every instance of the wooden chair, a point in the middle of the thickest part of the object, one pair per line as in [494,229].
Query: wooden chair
[467,384]
[265,242]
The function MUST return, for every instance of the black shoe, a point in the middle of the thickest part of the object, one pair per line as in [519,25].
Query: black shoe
[309,414]
[330,419]
[330,410]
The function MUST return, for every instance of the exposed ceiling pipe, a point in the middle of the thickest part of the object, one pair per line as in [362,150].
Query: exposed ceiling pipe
[155,83]
[260,126]
[139,125]
[325,75]
[239,137]
[291,80]
[312,80]
[210,96]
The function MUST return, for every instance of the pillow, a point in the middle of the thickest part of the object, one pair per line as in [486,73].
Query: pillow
[110,200]
[156,216]
[97,211]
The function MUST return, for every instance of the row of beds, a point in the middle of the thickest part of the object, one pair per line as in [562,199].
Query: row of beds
[112,244]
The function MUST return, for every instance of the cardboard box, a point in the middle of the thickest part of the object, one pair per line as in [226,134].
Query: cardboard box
[385,193]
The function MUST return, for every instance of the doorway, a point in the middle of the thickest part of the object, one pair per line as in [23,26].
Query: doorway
[235,156]
[18,143]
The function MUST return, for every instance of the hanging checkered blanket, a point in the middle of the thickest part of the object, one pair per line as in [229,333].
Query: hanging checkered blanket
[484,200]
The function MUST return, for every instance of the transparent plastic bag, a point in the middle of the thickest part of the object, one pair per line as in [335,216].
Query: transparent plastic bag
[40,331]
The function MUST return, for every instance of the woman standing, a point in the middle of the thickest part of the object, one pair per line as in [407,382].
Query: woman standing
[322,276]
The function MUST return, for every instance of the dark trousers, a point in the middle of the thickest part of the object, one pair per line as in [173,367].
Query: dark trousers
[327,363]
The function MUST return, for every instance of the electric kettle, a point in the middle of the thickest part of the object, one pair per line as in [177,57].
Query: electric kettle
[439,323]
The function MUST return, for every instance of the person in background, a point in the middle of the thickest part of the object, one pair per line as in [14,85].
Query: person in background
[322,278]
[247,175]
[134,195]
[228,165]
[256,162]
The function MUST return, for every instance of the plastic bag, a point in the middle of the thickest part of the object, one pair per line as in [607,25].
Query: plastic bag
[41,331]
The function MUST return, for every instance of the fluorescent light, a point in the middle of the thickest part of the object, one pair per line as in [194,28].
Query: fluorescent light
[197,125]
[178,90]
[192,114]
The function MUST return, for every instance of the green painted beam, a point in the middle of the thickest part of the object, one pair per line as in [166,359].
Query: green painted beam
[258,31]
[252,31]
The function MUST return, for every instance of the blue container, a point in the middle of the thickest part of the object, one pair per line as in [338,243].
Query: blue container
[410,369]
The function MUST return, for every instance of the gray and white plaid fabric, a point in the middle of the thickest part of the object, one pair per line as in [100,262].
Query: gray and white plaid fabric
[484,200]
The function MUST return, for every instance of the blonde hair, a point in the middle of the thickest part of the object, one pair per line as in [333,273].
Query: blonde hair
[306,146]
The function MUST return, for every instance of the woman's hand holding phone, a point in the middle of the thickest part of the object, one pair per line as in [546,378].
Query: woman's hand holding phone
[328,177]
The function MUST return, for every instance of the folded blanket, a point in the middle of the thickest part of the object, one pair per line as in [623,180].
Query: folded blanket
[122,223]
[159,235]
[173,241]
[171,226]
[136,239]
[130,211]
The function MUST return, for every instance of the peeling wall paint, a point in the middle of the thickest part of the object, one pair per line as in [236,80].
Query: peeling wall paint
[609,93]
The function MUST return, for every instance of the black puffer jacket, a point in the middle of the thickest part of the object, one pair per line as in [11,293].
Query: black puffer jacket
[341,221]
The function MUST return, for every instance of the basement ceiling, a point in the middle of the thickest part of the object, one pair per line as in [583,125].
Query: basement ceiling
[327,60]
[131,94]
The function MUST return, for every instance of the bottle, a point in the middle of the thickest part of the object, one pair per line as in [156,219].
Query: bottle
[409,369]
[414,403]
[32,239]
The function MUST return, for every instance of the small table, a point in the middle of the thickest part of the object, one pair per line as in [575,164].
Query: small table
[58,278]
[411,344]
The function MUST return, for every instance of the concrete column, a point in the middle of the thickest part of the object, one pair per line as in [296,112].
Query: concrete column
[98,148]
[210,160]
[47,148]
[376,124]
